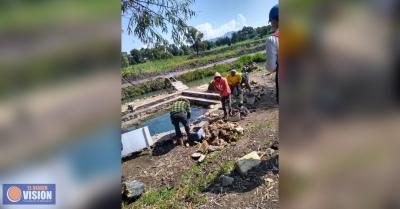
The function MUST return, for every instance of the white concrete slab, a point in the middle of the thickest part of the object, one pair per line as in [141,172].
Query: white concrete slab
[136,140]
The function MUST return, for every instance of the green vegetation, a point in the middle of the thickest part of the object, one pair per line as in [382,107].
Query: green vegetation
[194,37]
[39,24]
[175,62]
[27,15]
[133,92]
[134,96]
[243,44]
[190,186]
[156,66]
[247,59]
[144,88]
[161,50]
[267,124]
[203,73]
[148,18]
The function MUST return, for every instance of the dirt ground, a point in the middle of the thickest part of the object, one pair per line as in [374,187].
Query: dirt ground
[164,165]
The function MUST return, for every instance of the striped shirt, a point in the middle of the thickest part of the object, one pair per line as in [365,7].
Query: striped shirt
[180,106]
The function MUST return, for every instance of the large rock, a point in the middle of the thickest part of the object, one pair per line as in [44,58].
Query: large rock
[239,130]
[133,188]
[196,155]
[201,158]
[226,180]
[203,147]
[247,162]
[212,148]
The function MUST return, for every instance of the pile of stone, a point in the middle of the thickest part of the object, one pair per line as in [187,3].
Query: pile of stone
[250,67]
[242,110]
[219,134]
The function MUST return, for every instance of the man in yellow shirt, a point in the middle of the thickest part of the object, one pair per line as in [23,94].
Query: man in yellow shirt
[234,80]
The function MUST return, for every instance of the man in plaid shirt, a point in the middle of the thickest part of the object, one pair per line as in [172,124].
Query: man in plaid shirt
[180,113]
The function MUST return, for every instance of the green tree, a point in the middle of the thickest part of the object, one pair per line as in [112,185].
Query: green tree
[136,57]
[124,59]
[209,44]
[246,33]
[203,46]
[149,18]
[223,41]
[158,51]
[193,37]
[270,29]
[235,37]
[147,54]
[185,49]
[174,50]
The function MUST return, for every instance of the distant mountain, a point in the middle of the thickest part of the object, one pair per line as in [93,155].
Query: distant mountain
[228,34]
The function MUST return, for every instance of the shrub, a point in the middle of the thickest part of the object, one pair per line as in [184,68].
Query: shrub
[159,84]
[143,88]
[203,73]
[247,59]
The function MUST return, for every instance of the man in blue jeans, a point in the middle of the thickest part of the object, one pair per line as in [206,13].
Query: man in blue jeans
[180,113]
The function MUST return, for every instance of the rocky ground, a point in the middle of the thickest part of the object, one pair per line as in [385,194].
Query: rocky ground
[190,185]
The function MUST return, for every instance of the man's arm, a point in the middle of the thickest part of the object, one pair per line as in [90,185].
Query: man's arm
[272,53]
[226,86]
[215,88]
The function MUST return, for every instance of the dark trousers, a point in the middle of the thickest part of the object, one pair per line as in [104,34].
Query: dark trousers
[226,101]
[237,87]
[180,117]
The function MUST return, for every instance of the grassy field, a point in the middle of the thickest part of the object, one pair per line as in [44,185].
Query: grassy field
[238,44]
[137,91]
[183,61]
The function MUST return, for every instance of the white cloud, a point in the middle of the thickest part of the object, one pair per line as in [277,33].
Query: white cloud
[233,25]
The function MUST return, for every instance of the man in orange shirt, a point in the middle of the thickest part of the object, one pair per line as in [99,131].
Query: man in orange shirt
[221,86]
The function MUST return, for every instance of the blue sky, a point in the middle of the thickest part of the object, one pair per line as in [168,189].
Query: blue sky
[215,18]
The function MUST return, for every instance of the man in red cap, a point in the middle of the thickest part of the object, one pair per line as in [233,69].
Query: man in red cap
[222,87]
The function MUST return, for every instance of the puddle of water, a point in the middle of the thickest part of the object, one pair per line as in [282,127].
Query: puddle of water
[163,123]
